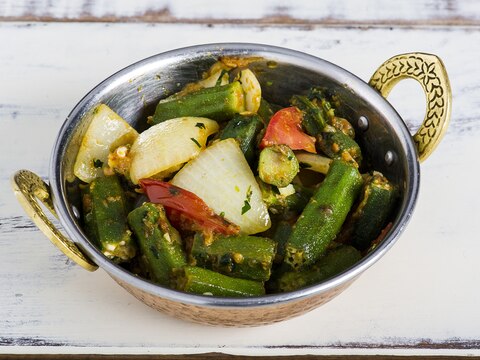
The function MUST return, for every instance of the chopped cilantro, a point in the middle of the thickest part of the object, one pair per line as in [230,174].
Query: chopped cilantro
[249,193]
[196,142]
[222,214]
[246,203]
[200,125]
[246,206]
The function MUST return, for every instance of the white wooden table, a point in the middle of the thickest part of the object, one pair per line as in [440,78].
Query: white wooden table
[422,298]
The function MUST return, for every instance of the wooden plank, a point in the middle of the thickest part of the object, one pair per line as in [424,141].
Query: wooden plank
[208,357]
[419,299]
[305,12]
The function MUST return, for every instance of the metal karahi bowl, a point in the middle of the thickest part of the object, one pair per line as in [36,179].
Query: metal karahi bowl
[133,93]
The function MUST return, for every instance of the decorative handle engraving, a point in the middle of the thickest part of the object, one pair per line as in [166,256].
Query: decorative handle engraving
[430,72]
[29,189]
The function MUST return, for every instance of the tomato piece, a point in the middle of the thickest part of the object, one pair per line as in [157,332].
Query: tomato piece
[188,205]
[285,128]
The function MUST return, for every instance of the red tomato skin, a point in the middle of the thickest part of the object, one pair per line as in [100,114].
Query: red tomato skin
[188,205]
[285,128]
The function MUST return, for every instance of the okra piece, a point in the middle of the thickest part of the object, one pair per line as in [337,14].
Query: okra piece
[344,126]
[201,281]
[160,243]
[217,103]
[281,204]
[371,214]
[277,165]
[245,129]
[242,256]
[297,201]
[265,111]
[319,97]
[88,221]
[275,202]
[105,218]
[335,135]
[322,218]
[336,145]
[280,236]
[314,119]
[334,262]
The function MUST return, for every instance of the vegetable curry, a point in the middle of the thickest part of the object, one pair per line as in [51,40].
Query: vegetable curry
[227,193]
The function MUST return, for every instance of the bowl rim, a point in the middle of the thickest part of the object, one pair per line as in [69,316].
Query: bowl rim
[357,85]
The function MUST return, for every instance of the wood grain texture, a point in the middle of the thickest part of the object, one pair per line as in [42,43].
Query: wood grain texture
[421,298]
[212,356]
[305,12]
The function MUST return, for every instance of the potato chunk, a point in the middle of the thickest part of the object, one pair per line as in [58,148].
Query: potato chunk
[106,132]
[165,147]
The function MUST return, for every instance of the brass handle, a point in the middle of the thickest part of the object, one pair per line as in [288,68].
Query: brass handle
[430,72]
[28,188]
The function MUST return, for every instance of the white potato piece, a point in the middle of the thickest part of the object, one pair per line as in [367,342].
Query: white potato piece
[252,89]
[107,131]
[221,177]
[164,148]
